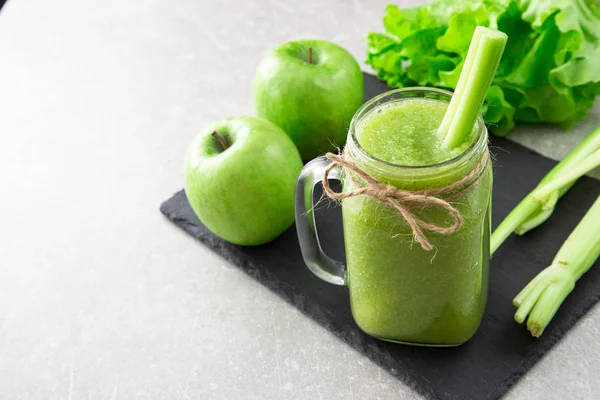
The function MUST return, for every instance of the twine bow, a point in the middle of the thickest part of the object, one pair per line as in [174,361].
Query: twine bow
[405,200]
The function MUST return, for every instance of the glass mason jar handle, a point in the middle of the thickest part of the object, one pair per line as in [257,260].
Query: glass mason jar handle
[318,262]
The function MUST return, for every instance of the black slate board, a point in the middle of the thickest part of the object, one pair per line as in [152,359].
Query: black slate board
[501,351]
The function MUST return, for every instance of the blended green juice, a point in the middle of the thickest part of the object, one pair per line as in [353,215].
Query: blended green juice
[398,291]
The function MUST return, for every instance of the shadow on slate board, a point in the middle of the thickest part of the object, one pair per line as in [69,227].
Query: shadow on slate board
[501,351]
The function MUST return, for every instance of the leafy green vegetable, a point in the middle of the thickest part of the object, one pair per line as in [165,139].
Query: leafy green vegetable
[550,71]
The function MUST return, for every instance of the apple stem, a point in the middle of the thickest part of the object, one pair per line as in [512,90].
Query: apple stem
[221,140]
[310,57]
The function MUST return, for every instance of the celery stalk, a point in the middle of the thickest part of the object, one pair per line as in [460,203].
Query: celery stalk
[477,75]
[541,298]
[540,216]
[520,213]
[530,213]
[586,165]
[462,82]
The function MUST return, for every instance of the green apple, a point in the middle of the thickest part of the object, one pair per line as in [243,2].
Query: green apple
[310,89]
[239,179]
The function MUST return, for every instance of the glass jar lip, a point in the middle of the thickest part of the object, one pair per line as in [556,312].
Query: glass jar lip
[467,155]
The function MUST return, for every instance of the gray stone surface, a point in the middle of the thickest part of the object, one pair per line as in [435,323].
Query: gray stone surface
[101,297]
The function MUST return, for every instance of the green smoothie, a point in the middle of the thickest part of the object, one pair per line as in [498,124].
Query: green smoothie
[398,291]
[405,133]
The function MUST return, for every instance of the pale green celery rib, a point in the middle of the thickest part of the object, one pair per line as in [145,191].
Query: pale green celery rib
[582,247]
[527,214]
[585,148]
[547,306]
[529,301]
[462,82]
[474,81]
[542,297]
[586,165]
[539,217]
[518,300]
[520,213]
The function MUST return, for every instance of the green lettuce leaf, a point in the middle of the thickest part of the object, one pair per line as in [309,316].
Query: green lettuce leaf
[550,70]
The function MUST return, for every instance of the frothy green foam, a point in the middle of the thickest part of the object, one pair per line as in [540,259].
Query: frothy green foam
[406,133]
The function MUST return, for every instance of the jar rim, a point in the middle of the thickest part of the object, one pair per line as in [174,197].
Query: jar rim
[476,148]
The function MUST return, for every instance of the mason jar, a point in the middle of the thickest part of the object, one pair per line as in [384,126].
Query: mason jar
[398,290]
